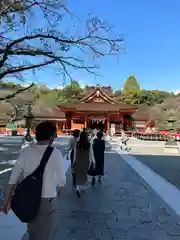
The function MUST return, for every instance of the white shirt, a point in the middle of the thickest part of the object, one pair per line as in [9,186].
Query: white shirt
[54,173]
[72,143]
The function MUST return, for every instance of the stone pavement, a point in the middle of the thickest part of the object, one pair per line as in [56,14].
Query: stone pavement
[123,207]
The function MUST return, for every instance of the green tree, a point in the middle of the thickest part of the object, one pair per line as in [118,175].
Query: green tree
[71,93]
[131,84]
[51,98]
[135,97]
[160,96]
[148,97]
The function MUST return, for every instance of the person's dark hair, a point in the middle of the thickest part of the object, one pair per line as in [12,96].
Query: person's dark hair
[99,134]
[83,143]
[45,131]
[76,133]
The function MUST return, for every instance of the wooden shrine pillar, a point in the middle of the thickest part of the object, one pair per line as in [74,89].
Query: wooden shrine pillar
[131,123]
[68,123]
[85,121]
[57,127]
[122,122]
[107,125]
[60,127]
[71,123]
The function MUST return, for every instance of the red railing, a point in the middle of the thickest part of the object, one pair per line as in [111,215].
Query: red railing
[160,136]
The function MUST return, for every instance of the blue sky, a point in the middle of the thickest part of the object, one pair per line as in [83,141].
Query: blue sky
[151,30]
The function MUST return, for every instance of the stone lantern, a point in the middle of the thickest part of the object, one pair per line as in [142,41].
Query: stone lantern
[29,117]
[171,129]
[171,145]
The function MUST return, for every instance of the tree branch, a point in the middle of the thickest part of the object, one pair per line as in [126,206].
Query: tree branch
[16,93]
[52,44]
[79,42]
[25,68]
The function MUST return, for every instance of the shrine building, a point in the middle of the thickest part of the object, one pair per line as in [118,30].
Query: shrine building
[98,109]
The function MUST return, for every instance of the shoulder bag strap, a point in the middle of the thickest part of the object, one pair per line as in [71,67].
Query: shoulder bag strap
[45,159]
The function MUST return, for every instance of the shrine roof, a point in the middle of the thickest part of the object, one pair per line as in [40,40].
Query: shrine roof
[106,89]
[105,93]
[96,107]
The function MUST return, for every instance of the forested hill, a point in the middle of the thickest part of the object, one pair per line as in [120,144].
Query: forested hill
[161,102]
[130,93]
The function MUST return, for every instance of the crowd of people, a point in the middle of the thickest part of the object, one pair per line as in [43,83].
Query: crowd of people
[87,158]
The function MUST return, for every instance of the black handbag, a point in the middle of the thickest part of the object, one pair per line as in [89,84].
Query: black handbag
[26,200]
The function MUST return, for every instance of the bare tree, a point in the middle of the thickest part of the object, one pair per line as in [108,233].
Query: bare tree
[16,111]
[16,92]
[36,47]
[162,112]
[7,6]
[16,107]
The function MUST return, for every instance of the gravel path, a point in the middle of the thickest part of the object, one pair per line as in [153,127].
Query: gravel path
[166,166]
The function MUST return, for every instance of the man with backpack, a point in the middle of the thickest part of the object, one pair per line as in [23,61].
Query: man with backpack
[33,200]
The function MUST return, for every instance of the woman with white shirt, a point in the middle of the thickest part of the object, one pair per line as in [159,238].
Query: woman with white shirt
[54,175]
[83,158]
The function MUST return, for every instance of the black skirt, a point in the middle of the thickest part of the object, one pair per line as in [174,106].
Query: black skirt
[92,171]
[99,148]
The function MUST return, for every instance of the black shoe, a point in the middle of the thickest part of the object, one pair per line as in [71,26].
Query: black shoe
[99,179]
[93,181]
[78,193]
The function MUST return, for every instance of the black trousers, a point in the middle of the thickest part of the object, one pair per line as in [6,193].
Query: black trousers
[73,174]
[72,157]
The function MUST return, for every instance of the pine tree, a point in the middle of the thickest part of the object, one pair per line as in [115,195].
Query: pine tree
[131,84]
